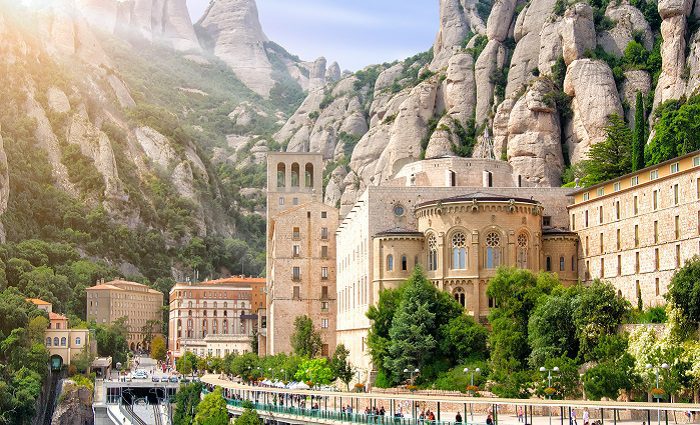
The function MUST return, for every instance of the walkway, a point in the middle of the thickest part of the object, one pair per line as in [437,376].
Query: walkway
[294,404]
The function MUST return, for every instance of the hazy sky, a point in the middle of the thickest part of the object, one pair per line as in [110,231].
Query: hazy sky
[355,33]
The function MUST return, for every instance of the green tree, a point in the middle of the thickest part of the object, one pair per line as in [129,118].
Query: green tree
[212,410]
[249,415]
[684,295]
[187,400]
[306,341]
[318,371]
[608,378]
[151,328]
[187,363]
[676,132]
[245,365]
[640,133]
[340,366]
[112,340]
[599,311]
[381,315]
[158,348]
[611,157]
[463,339]
[551,330]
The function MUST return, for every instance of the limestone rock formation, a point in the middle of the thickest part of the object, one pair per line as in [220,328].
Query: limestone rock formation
[457,19]
[577,32]
[628,22]
[671,83]
[333,73]
[589,82]
[75,406]
[636,81]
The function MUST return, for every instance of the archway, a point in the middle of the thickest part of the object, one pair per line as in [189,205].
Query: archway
[56,362]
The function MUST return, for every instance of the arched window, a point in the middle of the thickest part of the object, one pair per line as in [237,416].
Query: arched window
[295,175]
[48,341]
[460,297]
[189,313]
[389,263]
[204,328]
[548,264]
[493,250]
[205,303]
[523,245]
[179,328]
[63,341]
[77,340]
[205,313]
[225,305]
[225,313]
[189,304]
[432,253]
[404,263]
[215,304]
[459,251]
[215,327]
[225,327]
[214,313]
[309,175]
[561,264]
[281,175]
[55,341]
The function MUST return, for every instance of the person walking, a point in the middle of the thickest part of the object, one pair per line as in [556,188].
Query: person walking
[458,418]
[586,416]
[489,420]
[521,418]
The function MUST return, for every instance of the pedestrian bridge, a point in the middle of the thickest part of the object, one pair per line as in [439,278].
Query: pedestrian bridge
[284,406]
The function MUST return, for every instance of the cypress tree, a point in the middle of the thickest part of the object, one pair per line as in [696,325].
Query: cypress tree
[639,135]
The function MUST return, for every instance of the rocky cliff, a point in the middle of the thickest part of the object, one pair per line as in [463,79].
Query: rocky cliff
[529,82]
[74,405]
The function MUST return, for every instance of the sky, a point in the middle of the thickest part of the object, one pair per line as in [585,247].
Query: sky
[355,33]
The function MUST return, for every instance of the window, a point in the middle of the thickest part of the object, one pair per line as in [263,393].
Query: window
[324,323]
[324,292]
[619,265]
[656,259]
[432,253]
[296,234]
[653,174]
[636,235]
[588,269]
[309,175]
[602,268]
[585,218]
[493,250]
[617,210]
[63,341]
[573,263]
[389,263]
[561,264]
[56,342]
[404,263]
[676,196]
[600,214]
[296,292]
[635,205]
[547,220]
[655,200]
[324,273]
[296,250]
[281,171]
[586,196]
[601,191]
[656,284]
[522,255]
[677,226]
[634,181]
[459,251]
[548,262]
[600,244]
[296,273]
[656,232]
[295,175]
[616,187]
[573,221]
[696,161]
[675,167]
[637,290]
[281,200]
[48,341]
[587,248]
[295,201]
[324,251]
[324,306]
[324,214]
[324,233]
[460,296]
[618,239]
[678,256]
[636,262]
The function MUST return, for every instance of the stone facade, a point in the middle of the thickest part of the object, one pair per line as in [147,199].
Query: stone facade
[398,218]
[637,230]
[141,305]
[61,341]
[301,251]
[215,317]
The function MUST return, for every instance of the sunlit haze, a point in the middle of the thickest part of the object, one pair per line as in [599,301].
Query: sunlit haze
[355,34]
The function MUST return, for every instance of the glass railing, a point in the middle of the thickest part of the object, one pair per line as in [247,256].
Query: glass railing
[356,418]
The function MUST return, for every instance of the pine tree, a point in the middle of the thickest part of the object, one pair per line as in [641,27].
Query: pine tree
[639,135]
[306,341]
[341,367]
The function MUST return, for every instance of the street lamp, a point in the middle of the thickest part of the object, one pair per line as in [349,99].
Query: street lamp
[285,374]
[656,371]
[549,385]
[471,388]
[412,372]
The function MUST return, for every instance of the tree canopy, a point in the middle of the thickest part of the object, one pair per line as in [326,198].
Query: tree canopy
[212,410]
[306,341]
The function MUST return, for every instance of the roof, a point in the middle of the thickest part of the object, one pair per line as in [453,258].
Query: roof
[241,280]
[102,362]
[478,196]
[113,286]
[56,316]
[37,301]
[104,286]
[557,231]
[399,231]
[642,171]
